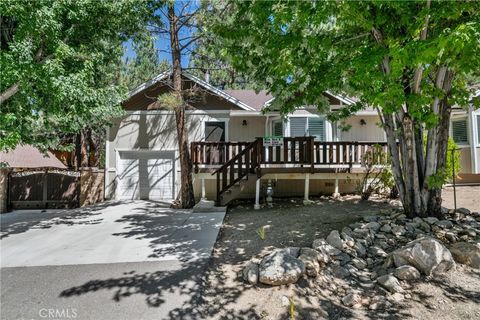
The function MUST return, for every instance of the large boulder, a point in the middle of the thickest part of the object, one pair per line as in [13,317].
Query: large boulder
[428,255]
[466,253]
[280,267]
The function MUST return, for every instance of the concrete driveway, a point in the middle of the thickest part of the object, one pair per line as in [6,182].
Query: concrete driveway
[118,260]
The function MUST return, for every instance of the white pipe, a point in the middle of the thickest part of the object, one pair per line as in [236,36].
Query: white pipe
[307,185]
[203,189]
[335,192]
[257,195]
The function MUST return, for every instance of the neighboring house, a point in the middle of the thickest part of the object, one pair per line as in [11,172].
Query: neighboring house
[314,156]
[25,156]
[465,131]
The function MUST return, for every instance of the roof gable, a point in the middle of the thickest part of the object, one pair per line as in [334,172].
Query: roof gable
[144,97]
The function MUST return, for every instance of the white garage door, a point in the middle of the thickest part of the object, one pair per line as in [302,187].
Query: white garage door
[146,175]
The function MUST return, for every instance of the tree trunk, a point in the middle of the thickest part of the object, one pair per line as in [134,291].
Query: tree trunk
[84,150]
[186,185]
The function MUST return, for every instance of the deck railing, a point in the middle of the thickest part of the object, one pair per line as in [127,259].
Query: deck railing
[301,151]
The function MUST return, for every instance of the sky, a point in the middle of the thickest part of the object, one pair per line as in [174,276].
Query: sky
[162,42]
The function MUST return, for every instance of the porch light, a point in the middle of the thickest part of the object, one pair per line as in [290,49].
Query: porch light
[244,122]
[363,122]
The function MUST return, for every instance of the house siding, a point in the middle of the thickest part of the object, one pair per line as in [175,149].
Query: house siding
[371,131]
[255,128]
[150,131]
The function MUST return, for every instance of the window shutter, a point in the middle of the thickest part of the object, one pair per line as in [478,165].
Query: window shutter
[298,127]
[278,128]
[316,128]
[459,131]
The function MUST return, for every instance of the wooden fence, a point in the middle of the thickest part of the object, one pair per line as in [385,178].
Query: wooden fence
[53,188]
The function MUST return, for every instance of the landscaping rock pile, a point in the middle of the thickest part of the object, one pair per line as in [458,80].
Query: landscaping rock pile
[385,253]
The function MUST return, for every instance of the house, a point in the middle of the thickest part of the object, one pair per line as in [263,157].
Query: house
[237,150]
[465,131]
[26,156]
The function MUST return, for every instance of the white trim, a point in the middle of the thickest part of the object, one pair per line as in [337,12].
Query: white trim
[149,83]
[343,99]
[204,84]
[472,117]
[171,112]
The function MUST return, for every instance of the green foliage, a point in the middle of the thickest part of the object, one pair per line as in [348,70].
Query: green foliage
[291,308]
[446,174]
[170,100]
[145,65]
[378,177]
[63,55]
[262,233]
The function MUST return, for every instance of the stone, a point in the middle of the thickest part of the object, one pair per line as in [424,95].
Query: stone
[375,226]
[359,263]
[386,228]
[377,251]
[430,220]
[466,253]
[349,241]
[390,283]
[360,249]
[396,297]
[351,299]
[407,273]
[428,255]
[325,248]
[311,258]
[334,240]
[464,211]
[250,272]
[446,224]
[340,272]
[467,232]
[280,267]
[450,236]
[398,230]
[371,218]
[285,301]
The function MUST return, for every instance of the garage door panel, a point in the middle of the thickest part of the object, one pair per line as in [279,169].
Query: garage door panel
[146,175]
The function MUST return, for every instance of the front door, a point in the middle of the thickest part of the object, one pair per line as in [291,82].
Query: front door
[215,132]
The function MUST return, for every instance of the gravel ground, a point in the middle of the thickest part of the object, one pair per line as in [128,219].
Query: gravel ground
[290,223]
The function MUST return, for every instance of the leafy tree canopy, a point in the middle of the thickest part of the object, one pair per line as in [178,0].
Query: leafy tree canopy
[299,49]
[58,61]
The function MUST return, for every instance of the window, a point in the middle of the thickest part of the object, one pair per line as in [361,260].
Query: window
[459,131]
[277,128]
[316,128]
[214,131]
[307,126]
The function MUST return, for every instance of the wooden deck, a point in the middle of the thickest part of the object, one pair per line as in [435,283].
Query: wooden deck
[233,161]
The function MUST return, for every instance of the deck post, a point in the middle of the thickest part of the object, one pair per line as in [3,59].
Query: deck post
[203,190]
[256,206]
[336,194]
[307,187]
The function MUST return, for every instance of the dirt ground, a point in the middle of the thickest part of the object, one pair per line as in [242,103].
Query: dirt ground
[290,223]
[467,197]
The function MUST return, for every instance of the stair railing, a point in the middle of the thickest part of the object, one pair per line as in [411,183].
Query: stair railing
[238,167]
